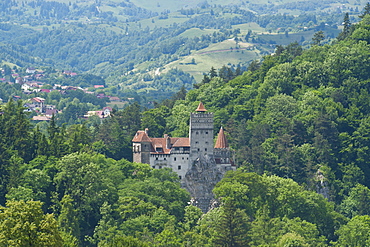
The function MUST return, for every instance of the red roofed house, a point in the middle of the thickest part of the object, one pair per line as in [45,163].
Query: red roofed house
[179,153]
[39,102]
[106,111]
[114,99]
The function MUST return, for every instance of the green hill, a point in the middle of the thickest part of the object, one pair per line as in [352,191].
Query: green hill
[128,42]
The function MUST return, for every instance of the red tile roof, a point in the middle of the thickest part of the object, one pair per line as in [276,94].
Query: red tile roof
[141,136]
[221,140]
[201,107]
[159,145]
[181,142]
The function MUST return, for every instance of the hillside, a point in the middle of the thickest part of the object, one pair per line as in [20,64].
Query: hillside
[129,43]
[298,122]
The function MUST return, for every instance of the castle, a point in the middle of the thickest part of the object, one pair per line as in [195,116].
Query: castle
[180,153]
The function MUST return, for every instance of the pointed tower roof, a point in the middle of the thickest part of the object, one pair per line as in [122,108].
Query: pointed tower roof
[141,136]
[201,107]
[221,140]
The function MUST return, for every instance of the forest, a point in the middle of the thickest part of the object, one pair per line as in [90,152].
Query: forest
[298,121]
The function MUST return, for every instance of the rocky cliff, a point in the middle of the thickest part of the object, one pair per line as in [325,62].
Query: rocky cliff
[200,180]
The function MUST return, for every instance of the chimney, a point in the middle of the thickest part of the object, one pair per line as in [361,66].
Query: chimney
[146,130]
[168,141]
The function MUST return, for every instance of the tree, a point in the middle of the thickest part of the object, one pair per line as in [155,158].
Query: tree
[212,72]
[365,11]
[192,215]
[346,28]
[68,222]
[126,241]
[231,229]
[23,224]
[167,238]
[89,179]
[155,120]
[292,240]
[318,37]
[356,233]
[358,202]
[15,129]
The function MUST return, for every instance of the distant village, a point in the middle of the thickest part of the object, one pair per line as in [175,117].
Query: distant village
[31,84]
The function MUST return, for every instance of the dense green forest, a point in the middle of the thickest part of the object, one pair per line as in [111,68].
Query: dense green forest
[298,121]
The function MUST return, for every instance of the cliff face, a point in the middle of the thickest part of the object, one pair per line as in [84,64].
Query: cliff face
[200,180]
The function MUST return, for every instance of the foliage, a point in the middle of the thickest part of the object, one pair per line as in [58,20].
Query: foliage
[24,224]
[298,121]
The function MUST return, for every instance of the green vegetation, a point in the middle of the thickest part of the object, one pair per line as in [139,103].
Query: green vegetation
[129,43]
[298,121]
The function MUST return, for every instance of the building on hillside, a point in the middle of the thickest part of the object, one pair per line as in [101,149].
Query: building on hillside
[39,103]
[30,70]
[180,153]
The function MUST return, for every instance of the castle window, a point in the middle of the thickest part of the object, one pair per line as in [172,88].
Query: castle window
[160,167]
[198,149]
[196,142]
[180,177]
[179,167]
[156,158]
[165,158]
[197,133]
[206,142]
[174,158]
[206,132]
[183,158]
[153,167]
[187,158]
[205,149]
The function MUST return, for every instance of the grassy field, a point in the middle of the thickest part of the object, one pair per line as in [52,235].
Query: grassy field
[156,22]
[244,28]
[174,5]
[196,32]
[282,39]
[215,56]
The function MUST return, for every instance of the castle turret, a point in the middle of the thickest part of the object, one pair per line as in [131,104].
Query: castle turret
[221,151]
[221,140]
[141,147]
[200,133]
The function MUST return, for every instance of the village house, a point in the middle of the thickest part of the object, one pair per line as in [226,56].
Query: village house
[39,103]
[41,118]
[30,70]
[114,99]
[106,112]
[69,73]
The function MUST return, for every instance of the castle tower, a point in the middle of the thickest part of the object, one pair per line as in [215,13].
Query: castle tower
[200,133]
[141,147]
[221,139]
[222,152]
